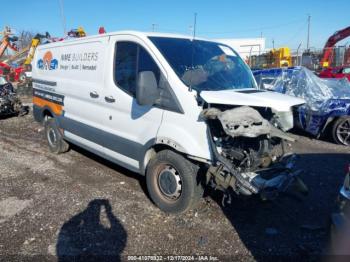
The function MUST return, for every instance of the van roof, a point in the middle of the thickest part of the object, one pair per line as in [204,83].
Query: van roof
[144,34]
[129,32]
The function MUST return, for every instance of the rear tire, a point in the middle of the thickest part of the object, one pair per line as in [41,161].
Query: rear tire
[172,182]
[55,140]
[341,131]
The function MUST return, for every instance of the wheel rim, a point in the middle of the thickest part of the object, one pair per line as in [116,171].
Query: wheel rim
[343,132]
[169,182]
[51,137]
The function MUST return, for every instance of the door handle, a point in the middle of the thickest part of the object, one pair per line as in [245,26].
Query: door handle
[109,99]
[93,94]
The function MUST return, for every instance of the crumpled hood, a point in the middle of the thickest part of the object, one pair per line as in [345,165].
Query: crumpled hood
[252,97]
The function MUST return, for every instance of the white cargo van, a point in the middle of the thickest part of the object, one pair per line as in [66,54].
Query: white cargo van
[185,113]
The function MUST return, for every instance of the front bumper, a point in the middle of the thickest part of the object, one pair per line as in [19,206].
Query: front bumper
[270,182]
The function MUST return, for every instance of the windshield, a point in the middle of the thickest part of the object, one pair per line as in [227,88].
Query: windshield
[204,65]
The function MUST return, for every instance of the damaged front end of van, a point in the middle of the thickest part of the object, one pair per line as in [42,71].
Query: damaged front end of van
[246,127]
[250,151]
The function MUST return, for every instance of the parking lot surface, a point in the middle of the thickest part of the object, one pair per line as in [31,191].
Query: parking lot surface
[56,206]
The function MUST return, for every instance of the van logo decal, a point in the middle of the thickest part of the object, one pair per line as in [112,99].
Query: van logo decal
[47,62]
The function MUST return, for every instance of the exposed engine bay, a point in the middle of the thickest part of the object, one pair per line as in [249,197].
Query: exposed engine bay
[249,151]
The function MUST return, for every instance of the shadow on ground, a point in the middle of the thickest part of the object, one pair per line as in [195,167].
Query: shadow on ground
[291,226]
[92,235]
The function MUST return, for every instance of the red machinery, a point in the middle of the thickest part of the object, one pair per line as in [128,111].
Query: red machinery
[7,41]
[22,58]
[336,72]
[11,73]
[328,48]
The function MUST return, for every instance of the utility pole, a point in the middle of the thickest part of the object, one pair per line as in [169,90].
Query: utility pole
[308,32]
[190,28]
[273,43]
[154,27]
[298,55]
[63,17]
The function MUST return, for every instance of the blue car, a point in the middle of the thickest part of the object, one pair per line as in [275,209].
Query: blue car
[327,105]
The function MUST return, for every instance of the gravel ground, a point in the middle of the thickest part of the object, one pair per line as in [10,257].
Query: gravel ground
[54,206]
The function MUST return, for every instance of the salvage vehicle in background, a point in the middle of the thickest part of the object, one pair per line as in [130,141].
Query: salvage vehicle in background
[327,105]
[10,104]
[185,120]
[336,72]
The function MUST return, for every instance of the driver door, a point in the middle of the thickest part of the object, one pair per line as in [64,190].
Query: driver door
[134,127]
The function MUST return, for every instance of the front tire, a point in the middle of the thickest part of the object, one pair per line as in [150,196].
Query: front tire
[341,131]
[55,140]
[172,182]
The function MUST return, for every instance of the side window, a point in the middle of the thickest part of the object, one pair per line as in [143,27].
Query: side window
[130,60]
[125,66]
[146,63]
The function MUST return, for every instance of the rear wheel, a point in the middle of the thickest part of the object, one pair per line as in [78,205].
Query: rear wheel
[172,182]
[54,137]
[341,131]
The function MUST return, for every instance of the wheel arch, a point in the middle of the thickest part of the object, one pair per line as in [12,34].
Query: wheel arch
[41,113]
[152,150]
[334,127]
[328,124]
[47,113]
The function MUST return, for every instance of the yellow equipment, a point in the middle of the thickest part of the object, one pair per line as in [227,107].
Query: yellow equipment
[33,46]
[81,32]
[36,40]
[275,58]
[281,57]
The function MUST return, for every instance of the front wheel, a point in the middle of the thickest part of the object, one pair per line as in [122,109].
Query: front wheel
[341,131]
[172,182]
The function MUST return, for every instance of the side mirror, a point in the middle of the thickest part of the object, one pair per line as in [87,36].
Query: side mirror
[146,88]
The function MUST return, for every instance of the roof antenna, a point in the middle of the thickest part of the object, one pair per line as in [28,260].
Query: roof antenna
[194,25]
[63,17]
[192,58]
